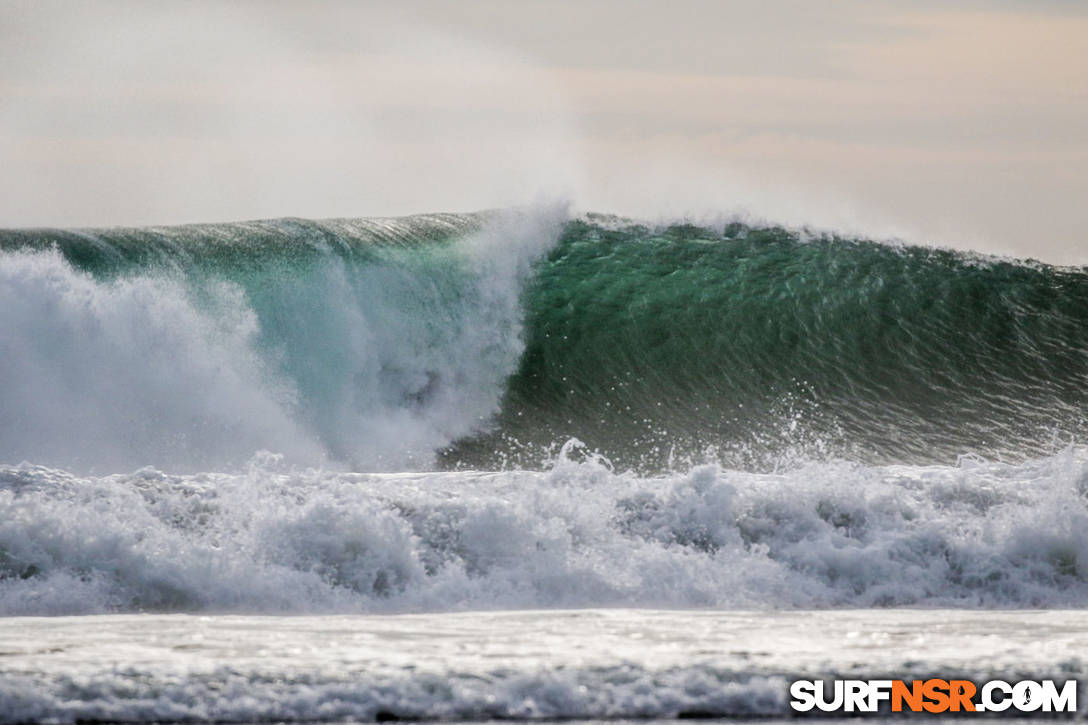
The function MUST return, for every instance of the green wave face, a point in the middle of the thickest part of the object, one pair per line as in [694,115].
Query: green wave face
[490,340]
[743,344]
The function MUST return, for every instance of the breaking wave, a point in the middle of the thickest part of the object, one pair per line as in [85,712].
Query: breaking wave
[487,340]
[770,418]
[366,344]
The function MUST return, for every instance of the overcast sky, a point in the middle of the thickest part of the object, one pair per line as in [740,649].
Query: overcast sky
[963,124]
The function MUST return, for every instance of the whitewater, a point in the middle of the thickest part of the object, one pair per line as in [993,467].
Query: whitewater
[518,464]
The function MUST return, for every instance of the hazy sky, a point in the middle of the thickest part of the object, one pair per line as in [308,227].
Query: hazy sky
[957,123]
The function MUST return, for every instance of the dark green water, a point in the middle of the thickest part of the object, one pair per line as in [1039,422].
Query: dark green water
[646,343]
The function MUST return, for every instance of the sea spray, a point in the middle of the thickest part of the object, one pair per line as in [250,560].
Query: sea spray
[365,343]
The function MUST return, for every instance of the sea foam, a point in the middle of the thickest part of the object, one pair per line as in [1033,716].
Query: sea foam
[829,534]
[193,350]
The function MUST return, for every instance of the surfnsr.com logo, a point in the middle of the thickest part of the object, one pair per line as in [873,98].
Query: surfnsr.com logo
[933,696]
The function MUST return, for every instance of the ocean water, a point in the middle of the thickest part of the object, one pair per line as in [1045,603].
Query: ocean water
[591,664]
[522,465]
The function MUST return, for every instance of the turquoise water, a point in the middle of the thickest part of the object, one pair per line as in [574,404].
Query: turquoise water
[488,340]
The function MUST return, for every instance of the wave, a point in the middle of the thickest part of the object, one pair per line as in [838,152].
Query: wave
[741,344]
[270,540]
[363,343]
[487,340]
